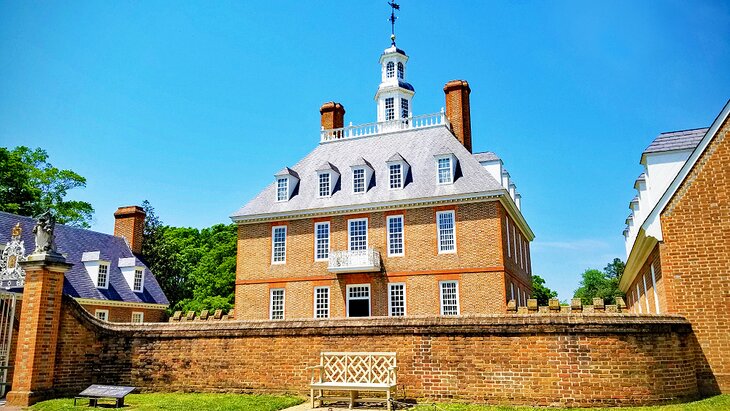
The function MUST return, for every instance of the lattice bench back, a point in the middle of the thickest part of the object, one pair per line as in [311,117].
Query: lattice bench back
[359,367]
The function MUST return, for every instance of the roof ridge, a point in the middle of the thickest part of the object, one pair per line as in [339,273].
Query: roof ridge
[62,225]
[685,130]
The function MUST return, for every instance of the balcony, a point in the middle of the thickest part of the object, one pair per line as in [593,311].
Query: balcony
[365,130]
[357,261]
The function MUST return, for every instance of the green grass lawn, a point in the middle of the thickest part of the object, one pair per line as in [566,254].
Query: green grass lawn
[720,402]
[184,402]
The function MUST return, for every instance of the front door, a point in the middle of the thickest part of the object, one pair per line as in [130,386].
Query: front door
[358,300]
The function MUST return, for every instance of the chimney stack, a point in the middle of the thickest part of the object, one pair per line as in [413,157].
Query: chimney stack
[457,110]
[129,224]
[333,115]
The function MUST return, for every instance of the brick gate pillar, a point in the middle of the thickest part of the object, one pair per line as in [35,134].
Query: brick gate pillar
[40,317]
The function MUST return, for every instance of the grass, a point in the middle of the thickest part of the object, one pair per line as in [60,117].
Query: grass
[720,402]
[184,402]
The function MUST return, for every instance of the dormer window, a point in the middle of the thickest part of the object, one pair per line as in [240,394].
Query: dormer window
[324,185]
[445,166]
[358,180]
[282,189]
[396,176]
[400,70]
[138,283]
[389,109]
[102,280]
[389,69]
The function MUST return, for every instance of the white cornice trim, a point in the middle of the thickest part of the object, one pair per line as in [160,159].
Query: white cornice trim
[643,245]
[113,303]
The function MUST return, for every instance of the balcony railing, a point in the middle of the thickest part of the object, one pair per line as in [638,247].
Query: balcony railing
[369,129]
[354,261]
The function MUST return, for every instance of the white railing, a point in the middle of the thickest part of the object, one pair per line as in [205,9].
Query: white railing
[354,261]
[369,129]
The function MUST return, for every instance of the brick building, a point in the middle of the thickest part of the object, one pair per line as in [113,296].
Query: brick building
[107,278]
[393,218]
[678,239]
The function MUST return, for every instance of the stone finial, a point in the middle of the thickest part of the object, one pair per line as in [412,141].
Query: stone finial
[554,304]
[203,315]
[576,304]
[218,314]
[620,303]
[176,316]
[532,305]
[43,230]
[190,316]
[512,306]
[598,304]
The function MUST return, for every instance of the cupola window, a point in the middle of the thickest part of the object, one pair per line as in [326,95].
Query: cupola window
[403,108]
[400,70]
[389,70]
[389,109]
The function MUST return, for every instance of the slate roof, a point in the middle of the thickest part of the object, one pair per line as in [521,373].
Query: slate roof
[72,242]
[486,156]
[676,140]
[417,147]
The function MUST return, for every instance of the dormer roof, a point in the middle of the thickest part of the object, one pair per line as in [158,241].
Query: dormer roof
[674,141]
[396,158]
[361,162]
[286,171]
[327,166]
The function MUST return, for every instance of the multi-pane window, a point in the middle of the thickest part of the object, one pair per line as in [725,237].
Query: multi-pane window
[137,317]
[358,180]
[321,302]
[276,311]
[397,299]
[446,237]
[324,185]
[444,170]
[396,175]
[400,70]
[358,300]
[403,108]
[449,297]
[102,314]
[389,109]
[322,241]
[103,278]
[395,235]
[358,233]
[138,279]
[282,189]
[389,69]
[278,245]
[509,244]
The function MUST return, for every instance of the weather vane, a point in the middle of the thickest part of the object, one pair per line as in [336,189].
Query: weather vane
[393,18]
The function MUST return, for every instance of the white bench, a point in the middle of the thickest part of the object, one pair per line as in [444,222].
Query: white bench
[354,372]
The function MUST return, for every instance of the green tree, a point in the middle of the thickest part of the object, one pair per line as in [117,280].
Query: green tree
[30,185]
[601,284]
[540,292]
[615,268]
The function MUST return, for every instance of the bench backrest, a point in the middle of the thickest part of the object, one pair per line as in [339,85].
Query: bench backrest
[359,367]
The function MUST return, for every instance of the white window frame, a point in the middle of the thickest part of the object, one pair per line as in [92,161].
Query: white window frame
[349,232]
[401,70]
[104,312]
[646,294]
[364,180]
[273,244]
[389,69]
[402,234]
[391,176]
[405,108]
[107,267]
[450,170]
[509,244]
[441,297]
[390,299]
[653,286]
[141,317]
[316,240]
[438,231]
[329,303]
[141,280]
[271,303]
[370,295]
[512,290]
[279,198]
[638,298]
[329,185]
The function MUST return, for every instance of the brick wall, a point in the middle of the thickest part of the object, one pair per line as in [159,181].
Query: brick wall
[696,257]
[641,296]
[568,360]
[479,261]
[124,314]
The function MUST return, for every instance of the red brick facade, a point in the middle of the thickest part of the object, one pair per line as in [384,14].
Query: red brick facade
[129,223]
[123,314]
[481,265]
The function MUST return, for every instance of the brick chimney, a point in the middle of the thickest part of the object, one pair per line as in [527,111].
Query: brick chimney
[333,115]
[457,110]
[129,223]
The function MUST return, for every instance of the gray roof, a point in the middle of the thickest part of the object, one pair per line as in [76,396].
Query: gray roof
[486,156]
[417,147]
[676,140]
[72,243]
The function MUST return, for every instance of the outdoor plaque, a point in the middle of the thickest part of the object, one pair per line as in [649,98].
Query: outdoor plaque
[96,391]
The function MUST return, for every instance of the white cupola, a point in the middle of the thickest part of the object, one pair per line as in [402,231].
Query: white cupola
[394,93]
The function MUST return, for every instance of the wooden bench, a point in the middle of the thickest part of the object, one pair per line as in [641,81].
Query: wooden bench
[354,372]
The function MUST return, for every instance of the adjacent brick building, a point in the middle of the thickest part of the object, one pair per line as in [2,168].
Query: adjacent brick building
[678,240]
[394,218]
[106,277]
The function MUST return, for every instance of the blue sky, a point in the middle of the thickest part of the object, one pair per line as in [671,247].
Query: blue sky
[194,105]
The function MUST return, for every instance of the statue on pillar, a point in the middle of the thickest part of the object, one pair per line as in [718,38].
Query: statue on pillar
[43,230]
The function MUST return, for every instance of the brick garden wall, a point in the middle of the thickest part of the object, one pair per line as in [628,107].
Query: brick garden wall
[575,359]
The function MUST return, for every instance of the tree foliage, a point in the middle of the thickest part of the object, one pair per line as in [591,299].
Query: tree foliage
[30,185]
[540,292]
[195,268]
[601,284]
